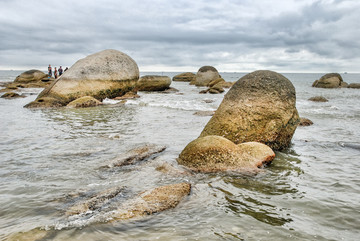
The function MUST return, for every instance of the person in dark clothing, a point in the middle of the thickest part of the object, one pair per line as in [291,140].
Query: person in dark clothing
[49,71]
[60,71]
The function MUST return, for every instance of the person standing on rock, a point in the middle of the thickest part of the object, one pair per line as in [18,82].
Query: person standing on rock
[49,71]
[60,71]
[55,73]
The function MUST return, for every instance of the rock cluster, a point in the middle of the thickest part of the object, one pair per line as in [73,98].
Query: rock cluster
[106,74]
[331,80]
[205,75]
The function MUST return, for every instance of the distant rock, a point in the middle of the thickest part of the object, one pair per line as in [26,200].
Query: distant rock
[331,80]
[11,95]
[184,77]
[153,83]
[259,107]
[31,76]
[318,99]
[205,75]
[106,74]
[305,122]
[218,154]
[83,102]
[354,86]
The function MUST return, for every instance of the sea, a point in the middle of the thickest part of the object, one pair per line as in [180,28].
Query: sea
[311,191]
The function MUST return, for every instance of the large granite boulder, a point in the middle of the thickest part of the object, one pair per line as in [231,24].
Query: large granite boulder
[205,75]
[332,80]
[153,83]
[106,74]
[184,77]
[217,154]
[259,107]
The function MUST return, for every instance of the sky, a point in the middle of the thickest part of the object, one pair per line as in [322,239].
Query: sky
[184,35]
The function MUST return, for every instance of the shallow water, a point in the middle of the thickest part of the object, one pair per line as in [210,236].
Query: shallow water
[310,192]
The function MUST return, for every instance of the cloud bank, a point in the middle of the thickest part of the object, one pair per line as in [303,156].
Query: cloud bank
[161,35]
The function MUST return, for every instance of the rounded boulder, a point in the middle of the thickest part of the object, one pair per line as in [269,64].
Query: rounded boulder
[331,80]
[153,83]
[205,75]
[217,154]
[184,77]
[259,107]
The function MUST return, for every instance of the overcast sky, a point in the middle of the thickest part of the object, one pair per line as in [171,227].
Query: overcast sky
[183,35]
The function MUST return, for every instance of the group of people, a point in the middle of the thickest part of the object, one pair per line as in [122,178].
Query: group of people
[56,71]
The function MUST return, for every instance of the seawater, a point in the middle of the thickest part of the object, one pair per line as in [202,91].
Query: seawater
[310,192]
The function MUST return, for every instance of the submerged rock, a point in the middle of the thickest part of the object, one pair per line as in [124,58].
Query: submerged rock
[205,75]
[153,83]
[184,77]
[318,99]
[354,86]
[305,122]
[153,201]
[218,154]
[83,102]
[95,202]
[259,107]
[136,155]
[331,80]
[106,74]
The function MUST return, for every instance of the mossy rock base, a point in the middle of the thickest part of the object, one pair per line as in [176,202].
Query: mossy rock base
[83,102]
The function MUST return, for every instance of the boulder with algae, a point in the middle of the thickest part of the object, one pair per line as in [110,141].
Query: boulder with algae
[106,74]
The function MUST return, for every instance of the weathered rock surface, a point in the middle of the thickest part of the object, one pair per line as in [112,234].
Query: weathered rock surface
[331,80]
[106,74]
[318,99]
[153,201]
[184,77]
[153,83]
[305,122]
[354,86]
[259,107]
[83,102]
[95,202]
[217,154]
[136,155]
[128,95]
[205,75]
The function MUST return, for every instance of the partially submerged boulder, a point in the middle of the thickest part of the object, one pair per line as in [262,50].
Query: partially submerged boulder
[184,77]
[83,102]
[205,75]
[31,76]
[106,74]
[259,107]
[153,83]
[354,86]
[331,80]
[153,201]
[305,122]
[218,154]
[318,99]
[136,155]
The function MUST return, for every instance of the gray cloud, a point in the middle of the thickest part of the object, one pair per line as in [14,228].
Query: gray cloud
[184,35]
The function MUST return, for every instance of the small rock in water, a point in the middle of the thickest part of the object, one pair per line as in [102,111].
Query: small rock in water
[318,99]
[137,154]
[305,122]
